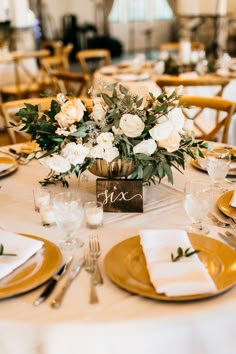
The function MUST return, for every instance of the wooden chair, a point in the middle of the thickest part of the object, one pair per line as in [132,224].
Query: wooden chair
[195,86]
[9,109]
[55,62]
[28,77]
[70,82]
[175,46]
[225,109]
[52,45]
[165,81]
[98,57]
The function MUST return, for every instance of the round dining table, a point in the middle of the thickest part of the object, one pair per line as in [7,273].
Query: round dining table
[122,321]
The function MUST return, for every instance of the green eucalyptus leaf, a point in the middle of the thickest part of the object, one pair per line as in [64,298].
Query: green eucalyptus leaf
[107,99]
[123,89]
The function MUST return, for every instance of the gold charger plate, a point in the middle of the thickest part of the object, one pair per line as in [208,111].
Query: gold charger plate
[232,171]
[34,272]
[125,265]
[8,160]
[223,204]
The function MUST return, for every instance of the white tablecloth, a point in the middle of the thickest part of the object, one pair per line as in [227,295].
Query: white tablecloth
[121,322]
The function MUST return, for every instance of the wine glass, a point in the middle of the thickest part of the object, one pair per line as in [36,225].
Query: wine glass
[197,202]
[217,164]
[68,212]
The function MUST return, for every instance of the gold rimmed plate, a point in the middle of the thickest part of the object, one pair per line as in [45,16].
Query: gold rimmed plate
[34,272]
[232,171]
[223,204]
[126,267]
[13,165]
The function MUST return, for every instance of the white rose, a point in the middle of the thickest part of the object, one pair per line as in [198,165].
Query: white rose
[171,143]
[56,163]
[97,151]
[105,138]
[110,153]
[71,111]
[104,152]
[98,113]
[75,153]
[131,125]
[177,119]
[146,147]
[161,131]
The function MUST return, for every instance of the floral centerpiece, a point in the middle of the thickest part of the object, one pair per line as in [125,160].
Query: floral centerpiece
[150,132]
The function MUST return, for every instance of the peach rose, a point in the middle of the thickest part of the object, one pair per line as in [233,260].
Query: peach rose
[71,111]
[171,143]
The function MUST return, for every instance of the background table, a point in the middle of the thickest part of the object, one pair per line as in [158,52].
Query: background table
[121,322]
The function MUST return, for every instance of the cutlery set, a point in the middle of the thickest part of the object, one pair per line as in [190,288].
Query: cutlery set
[229,237]
[21,158]
[90,263]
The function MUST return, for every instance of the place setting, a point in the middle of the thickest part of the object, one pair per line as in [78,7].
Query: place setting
[177,264]
[171,265]
[11,158]
[208,163]
[32,261]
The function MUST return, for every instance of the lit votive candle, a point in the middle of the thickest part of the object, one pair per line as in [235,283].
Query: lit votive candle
[47,214]
[93,214]
[42,196]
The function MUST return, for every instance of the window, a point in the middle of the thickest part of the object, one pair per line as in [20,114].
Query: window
[140,10]
[162,10]
[137,10]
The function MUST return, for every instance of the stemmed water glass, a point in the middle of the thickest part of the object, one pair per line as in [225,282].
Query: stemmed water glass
[217,164]
[197,202]
[68,212]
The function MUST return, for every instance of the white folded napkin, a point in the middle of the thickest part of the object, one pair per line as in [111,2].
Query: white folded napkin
[5,166]
[233,200]
[187,276]
[24,247]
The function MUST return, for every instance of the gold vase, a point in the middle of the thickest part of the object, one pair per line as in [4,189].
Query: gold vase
[115,169]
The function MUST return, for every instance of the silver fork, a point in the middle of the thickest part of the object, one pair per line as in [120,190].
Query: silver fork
[94,247]
[217,221]
[90,265]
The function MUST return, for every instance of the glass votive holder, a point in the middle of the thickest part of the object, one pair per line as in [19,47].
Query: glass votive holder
[47,214]
[93,214]
[42,196]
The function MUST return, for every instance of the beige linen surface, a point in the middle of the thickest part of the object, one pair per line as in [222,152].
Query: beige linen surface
[121,322]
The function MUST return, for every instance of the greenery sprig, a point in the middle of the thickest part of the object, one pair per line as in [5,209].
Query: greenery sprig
[181,253]
[5,254]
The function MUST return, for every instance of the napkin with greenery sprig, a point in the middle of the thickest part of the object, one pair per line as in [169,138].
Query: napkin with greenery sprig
[184,276]
[23,247]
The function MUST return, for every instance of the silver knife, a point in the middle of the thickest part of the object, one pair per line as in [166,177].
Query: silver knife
[56,302]
[229,240]
[53,282]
